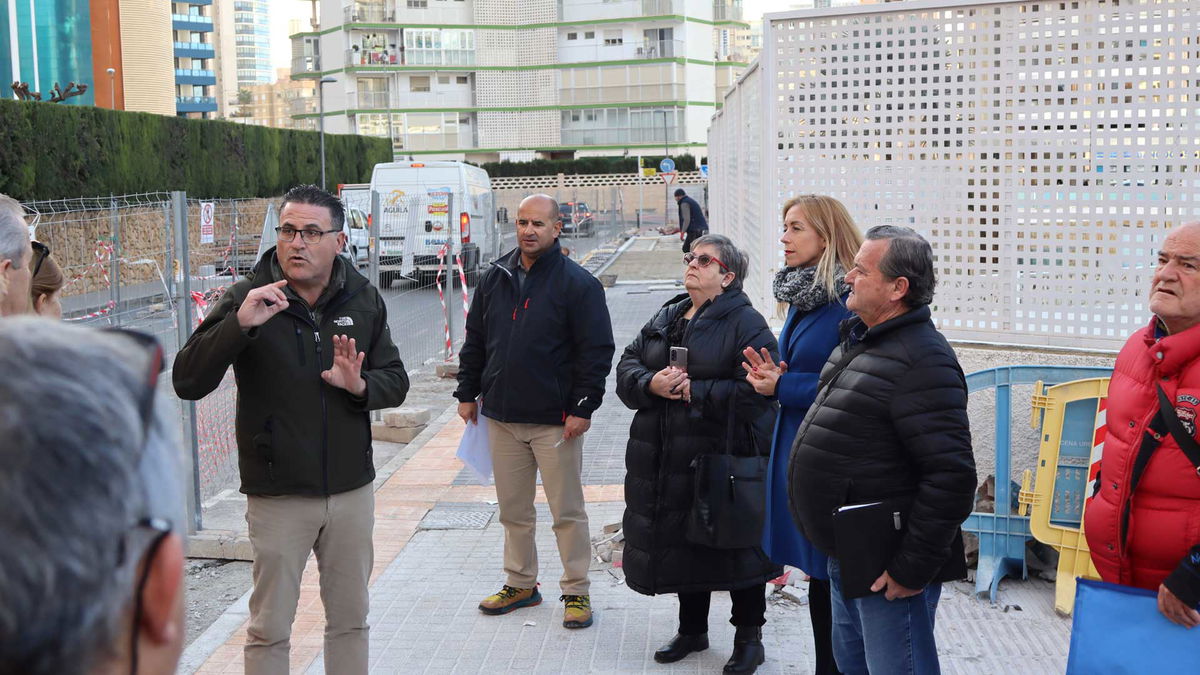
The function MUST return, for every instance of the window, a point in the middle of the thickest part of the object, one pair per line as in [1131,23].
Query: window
[572,36]
[443,79]
[418,4]
[613,37]
[589,35]
[418,83]
[463,79]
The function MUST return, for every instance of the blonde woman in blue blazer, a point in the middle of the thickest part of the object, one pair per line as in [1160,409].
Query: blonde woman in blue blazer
[819,243]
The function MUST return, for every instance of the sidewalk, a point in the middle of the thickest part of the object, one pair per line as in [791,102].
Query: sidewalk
[439,551]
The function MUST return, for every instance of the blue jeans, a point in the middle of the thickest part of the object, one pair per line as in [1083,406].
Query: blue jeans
[877,636]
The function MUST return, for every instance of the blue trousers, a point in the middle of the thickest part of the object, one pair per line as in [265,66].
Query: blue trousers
[877,636]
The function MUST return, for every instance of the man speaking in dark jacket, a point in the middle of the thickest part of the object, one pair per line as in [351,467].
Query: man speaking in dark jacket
[539,346]
[889,431]
[308,340]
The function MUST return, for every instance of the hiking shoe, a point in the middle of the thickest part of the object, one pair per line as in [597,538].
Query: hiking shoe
[510,598]
[578,612]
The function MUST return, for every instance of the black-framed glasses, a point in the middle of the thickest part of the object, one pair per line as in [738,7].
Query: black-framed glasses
[309,236]
[704,260]
[40,253]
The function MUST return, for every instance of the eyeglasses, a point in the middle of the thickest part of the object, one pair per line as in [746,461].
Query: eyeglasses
[160,527]
[704,259]
[40,253]
[309,236]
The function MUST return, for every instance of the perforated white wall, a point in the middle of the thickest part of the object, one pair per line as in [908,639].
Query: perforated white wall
[1044,148]
[511,88]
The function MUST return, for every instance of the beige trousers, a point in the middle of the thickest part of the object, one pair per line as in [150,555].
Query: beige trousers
[283,531]
[519,451]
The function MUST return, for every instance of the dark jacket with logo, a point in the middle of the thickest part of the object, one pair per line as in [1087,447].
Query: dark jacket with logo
[893,424]
[666,436]
[296,434]
[540,352]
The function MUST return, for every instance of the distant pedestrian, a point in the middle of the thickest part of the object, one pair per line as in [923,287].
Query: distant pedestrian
[682,415]
[1143,525]
[92,510]
[819,242]
[692,224]
[16,254]
[46,284]
[308,339]
[538,349]
[888,431]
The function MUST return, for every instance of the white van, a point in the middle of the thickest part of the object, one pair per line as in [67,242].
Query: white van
[426,206]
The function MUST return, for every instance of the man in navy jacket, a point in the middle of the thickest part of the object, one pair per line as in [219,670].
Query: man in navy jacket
[538,349]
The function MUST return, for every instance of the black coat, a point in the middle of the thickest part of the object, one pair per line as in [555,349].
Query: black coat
[893,424]
[297,435]
[667,435]
[540,352]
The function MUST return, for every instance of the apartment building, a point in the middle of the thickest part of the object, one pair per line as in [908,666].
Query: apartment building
[195,55]
[270,105]
[494,79]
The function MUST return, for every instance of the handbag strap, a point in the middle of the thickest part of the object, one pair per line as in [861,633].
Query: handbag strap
[1183,439]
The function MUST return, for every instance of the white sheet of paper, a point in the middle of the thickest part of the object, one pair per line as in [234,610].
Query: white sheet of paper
[474,449]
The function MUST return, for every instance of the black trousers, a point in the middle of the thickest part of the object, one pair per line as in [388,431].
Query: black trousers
[692,235]
[820,613]
[749,609]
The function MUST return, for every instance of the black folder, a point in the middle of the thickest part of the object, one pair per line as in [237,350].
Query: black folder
[867,536]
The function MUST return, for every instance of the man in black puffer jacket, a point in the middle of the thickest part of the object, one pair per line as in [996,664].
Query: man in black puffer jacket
[538,349]
[889,422]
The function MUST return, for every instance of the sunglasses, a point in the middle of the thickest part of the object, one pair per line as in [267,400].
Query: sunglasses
[40,253]
[704,260]
[158,527]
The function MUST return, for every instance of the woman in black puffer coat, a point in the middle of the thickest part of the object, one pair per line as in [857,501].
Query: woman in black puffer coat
[679,417]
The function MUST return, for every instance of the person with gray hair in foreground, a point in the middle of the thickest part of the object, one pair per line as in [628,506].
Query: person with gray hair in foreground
[91,504]
[15,255]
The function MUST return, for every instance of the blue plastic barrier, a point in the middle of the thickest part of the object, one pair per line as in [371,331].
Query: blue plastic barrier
[1002,535]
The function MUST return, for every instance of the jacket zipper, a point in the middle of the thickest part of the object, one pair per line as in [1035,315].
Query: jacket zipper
[513,330]
[324,408]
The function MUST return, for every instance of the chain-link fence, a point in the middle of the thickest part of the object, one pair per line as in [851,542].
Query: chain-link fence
[153,263]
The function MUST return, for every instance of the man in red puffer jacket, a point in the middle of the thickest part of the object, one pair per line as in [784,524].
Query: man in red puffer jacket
[1143,526]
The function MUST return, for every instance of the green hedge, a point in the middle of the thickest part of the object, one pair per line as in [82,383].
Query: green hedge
[583,165]
[50,151]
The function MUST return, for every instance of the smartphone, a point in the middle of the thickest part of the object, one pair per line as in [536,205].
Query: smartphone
[679,358]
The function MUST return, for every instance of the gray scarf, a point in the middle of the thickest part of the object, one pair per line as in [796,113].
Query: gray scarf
[798,286]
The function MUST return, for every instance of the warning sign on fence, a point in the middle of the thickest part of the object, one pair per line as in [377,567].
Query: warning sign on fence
[207,209]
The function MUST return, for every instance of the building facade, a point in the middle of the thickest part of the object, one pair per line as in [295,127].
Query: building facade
[252,40]
[495,79]
[270,105]
[112,48]
[195,56]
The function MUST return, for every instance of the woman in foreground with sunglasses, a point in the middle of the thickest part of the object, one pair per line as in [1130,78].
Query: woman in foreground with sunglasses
[819,242]
[689,408]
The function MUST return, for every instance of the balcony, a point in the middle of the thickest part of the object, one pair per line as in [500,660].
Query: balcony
[195,104]
[192,22]
[372,100]
[726,11]
[364,57]
[375,13]
[303,105]
[661,7]
[306,64]
[627,93]
[626,136]
[193,50]
[195,76]
[201,3]
[650,49]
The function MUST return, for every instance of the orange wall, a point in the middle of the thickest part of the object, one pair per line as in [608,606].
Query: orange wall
[106,53]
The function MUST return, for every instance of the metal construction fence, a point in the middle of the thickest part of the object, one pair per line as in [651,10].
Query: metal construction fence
[157,262]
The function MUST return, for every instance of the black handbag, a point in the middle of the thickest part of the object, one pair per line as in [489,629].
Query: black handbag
[729,504]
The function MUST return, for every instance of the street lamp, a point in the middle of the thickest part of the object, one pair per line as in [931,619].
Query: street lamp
[112,88]
[667,186]
[321,121]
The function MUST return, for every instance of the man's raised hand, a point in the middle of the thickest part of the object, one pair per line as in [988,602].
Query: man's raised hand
[261,304]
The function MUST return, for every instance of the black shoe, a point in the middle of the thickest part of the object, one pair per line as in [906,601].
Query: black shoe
[748,652]
[680,646]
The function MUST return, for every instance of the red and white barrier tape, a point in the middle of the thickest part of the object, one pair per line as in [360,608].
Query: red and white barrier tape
[442,296]
[103,256]
[98,313]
